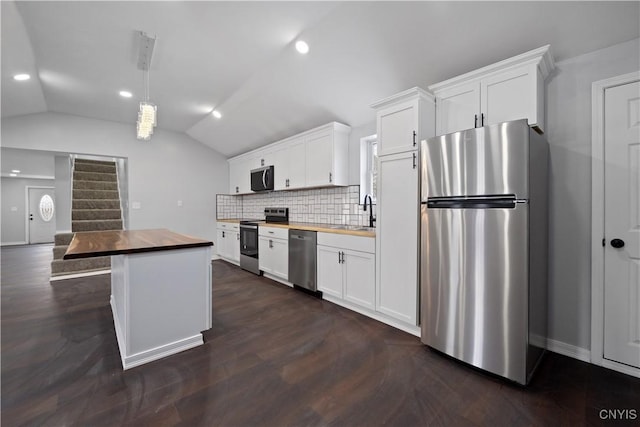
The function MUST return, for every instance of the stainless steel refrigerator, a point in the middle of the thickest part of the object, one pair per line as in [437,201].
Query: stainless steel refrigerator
[483,271]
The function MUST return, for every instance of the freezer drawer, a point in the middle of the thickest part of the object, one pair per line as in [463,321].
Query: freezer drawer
[474,280]
[477,162]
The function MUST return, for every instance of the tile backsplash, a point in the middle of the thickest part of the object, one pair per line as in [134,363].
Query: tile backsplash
[337,205]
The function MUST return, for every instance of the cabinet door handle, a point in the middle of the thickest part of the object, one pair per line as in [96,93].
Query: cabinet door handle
[330,177]
[339,257]
[270,244]
[481,119]
[237,189]
[287,183]
[261,162]
[475,120]
[223,234]
[237,236]
[414,138]
[343,257]
[414,160]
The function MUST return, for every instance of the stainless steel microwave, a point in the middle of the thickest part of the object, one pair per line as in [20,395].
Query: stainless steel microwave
[262,179]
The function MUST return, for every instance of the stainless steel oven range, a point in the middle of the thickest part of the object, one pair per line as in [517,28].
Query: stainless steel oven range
[249,246]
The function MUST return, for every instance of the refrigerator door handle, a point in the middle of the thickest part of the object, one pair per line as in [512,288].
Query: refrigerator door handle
[488,202]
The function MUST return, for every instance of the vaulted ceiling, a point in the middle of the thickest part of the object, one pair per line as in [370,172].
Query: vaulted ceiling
[238,57]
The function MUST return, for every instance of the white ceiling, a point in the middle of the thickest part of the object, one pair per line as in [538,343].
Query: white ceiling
[238,57]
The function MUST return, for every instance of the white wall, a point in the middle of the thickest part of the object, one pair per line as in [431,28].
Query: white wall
[31,164]
[14,197]
[170,167]
[569,135]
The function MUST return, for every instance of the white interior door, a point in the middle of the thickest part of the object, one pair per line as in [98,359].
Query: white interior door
[622,224]
[42,215]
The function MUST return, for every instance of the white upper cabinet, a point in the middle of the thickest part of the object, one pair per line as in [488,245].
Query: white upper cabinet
[327,156]
[457,108]
[297,163]
[512,89]
[239,178]
[402,121]
[316,158]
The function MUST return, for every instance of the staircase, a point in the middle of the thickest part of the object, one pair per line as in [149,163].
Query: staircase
[95,206]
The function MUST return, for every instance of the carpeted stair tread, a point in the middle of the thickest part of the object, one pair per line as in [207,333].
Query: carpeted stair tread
[73,266]
[87,214]
[95,167]
[95,204]
[63,239]
[95,176]
[96,194]
[96,225]
[95,162]
[95,185]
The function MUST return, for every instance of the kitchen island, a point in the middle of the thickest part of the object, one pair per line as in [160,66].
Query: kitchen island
[160,289]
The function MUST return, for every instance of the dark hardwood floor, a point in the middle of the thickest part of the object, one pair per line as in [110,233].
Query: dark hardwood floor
[275,357]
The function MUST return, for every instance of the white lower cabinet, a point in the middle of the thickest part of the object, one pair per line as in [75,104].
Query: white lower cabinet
[330,274]
[228,242]
[346,268]
[273,250]
[360,278]
[397,237]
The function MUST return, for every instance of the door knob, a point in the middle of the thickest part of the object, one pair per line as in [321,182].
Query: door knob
[617,243]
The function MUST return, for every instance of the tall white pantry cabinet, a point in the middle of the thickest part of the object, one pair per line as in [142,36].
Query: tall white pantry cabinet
[403,120]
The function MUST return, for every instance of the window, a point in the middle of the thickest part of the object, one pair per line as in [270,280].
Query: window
[46,208]
[369,167]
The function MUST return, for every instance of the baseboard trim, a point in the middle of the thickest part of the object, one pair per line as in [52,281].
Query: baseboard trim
[410,329]
[621,367]
[77,275]
[569,350]
[12,243]
[277,279]
[160,352]
[214,256]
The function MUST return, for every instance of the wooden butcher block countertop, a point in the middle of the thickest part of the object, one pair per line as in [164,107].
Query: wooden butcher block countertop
[354,230]
[119,242]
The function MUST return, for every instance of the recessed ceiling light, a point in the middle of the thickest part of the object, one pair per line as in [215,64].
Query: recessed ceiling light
[216,114]
[302,46]
[21,77]
[13,174]
[125,94]
[15,171]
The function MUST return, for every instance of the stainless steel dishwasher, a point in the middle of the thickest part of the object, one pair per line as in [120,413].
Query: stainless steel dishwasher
[302,258]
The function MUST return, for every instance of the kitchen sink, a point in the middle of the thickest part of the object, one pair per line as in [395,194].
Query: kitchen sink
[350,227]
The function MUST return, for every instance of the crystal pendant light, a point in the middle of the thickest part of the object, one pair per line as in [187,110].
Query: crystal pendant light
[147,115]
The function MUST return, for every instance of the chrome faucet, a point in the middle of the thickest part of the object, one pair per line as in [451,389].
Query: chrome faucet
[372,220]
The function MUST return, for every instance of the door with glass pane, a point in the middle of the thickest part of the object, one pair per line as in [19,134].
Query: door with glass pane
[42,215]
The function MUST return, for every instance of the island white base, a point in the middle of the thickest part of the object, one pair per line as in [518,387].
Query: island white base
[161,302]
